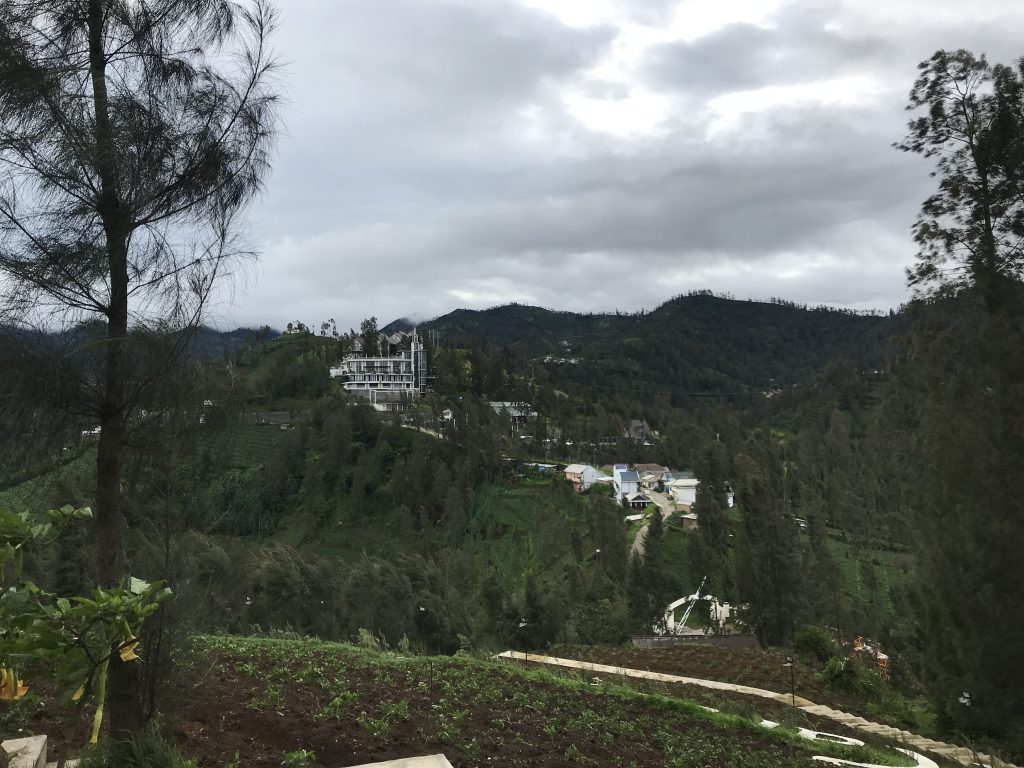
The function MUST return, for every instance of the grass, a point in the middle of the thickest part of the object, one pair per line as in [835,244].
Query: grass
[247,446]
[519,529]
[68,483]
[892,569]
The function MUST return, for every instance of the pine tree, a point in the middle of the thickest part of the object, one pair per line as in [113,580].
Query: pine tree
[769,559]
[958,393]
[128,152]
[711,553]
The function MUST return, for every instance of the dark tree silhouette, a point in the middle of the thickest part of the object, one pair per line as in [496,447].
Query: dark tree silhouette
[970,231]
[132,135]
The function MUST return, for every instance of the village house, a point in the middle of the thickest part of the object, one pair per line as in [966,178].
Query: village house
[582,476]
[637,500]
[654,477]
[626,481]
[684,490]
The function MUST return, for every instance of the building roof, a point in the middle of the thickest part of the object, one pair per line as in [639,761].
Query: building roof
[629,475]
[685,482]
[577,468]
[656,469]
[637,497]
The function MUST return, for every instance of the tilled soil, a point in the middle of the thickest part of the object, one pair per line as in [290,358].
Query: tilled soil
[247,702]
[742,666]
[476,714]
[744,705]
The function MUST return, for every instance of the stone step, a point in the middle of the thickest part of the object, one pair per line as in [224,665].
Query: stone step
[29,752]
[427,761]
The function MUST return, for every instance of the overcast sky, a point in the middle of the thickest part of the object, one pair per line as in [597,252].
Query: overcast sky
[595,154]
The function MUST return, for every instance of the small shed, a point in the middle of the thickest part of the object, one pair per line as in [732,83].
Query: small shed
[688,521]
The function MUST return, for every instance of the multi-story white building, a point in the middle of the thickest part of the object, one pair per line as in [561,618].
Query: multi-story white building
[626,481]
[386,381]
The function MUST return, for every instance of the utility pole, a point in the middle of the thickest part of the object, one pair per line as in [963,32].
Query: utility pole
[792,679]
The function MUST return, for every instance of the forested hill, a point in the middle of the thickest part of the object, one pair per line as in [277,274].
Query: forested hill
[697,341]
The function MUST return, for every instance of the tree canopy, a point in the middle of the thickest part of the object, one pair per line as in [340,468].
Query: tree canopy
[971,230]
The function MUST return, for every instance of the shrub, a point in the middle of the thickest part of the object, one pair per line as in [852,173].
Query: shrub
[851,676]
[814,642]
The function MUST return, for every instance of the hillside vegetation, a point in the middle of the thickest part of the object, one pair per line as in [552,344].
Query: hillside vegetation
[695,343]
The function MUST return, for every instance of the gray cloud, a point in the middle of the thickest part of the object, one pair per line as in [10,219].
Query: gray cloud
[798,47]
[433,161]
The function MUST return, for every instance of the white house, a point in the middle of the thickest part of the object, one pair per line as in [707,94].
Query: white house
[684,490]
[626,481]
[582,476]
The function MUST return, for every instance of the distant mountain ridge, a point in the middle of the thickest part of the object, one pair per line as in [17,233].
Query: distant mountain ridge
[399,325]
[693,342]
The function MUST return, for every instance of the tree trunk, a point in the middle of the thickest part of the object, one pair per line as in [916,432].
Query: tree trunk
[122,684]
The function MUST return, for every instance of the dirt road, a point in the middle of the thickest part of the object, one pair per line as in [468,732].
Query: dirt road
[666,506]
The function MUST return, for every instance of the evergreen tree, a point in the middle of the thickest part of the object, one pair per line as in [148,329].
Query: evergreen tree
[768,562]
[129,148]
[711,548]
[824,585]
[958,392]
[959,396]
[973,124]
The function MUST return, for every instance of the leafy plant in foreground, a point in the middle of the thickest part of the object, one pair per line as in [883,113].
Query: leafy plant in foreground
[74,638]
[300,758]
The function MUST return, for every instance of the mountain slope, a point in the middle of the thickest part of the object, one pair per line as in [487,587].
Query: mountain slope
[696,342]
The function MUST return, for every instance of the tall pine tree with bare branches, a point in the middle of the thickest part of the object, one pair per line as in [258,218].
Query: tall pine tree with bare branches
[132,135]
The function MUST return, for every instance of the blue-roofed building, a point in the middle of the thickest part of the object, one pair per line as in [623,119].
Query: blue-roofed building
[627,481]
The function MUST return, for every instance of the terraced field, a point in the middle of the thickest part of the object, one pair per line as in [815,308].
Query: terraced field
[252,700]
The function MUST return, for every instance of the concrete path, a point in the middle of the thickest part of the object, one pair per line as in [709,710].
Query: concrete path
[951,752]
[666,506]
[429,761]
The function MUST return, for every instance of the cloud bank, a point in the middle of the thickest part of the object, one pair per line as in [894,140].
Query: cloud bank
[594,155]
